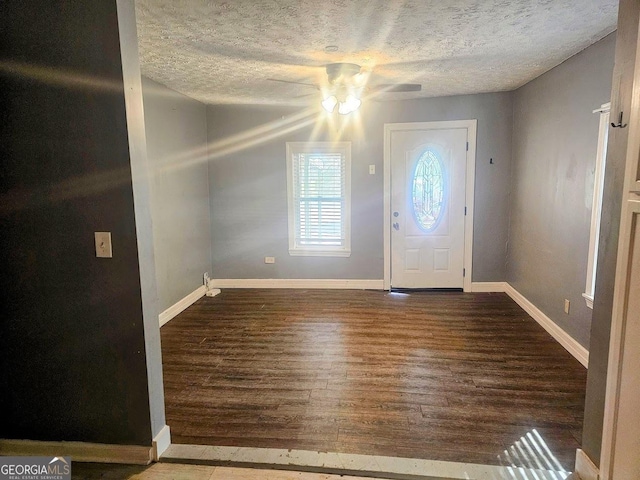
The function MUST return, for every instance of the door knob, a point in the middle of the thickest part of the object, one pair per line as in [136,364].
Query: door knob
[395,214]
[396,226]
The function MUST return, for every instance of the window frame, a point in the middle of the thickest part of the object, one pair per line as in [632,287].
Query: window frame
[344,148]
[596,207]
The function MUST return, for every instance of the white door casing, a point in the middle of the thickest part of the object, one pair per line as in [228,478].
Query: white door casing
[432,257]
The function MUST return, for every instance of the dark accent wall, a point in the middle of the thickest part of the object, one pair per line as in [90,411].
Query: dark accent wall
[249,189]
[555,136]
[176,132]
[623,73]
[72,343]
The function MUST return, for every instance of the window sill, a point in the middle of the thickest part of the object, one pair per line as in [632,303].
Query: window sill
[320,253]
[589,300]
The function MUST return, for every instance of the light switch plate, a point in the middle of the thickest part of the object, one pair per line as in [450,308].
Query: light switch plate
[372,169]
[103,245]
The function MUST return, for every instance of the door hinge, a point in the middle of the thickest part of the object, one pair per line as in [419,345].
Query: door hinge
[465,211]
[467,146]
[464,272]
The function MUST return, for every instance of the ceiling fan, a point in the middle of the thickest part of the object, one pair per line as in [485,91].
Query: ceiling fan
[345,86]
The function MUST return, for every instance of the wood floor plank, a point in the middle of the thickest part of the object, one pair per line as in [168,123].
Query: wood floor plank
[441,376]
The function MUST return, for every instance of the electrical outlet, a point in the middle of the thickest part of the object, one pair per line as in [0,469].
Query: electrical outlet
[567,304]
[205,279]
[269,259]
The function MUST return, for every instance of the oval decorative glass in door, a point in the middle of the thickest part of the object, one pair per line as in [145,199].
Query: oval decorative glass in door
[427,192]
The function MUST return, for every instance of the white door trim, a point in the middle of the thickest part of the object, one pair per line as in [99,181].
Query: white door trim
[620,348]
[471,126]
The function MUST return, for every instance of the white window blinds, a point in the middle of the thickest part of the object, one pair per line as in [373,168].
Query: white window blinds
[318,199]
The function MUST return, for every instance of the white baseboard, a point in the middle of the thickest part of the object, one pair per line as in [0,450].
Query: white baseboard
[161,442]
[585,468]
[489,287]
[307,283]
[181,305]
[567,341]
[79,451]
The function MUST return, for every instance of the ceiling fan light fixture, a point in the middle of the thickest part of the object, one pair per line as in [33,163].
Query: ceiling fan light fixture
[350,104]
[329,103]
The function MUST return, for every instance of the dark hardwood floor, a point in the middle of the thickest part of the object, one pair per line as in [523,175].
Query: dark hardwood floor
[442,376]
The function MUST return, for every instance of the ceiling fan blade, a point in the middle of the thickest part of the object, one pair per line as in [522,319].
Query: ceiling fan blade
[396,88]
[292,82]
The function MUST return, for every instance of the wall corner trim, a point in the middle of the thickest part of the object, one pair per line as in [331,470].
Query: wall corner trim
[308,283]
[181,305]
[161,442]
[79,451]
[567,341]
[585,468]
[489,287]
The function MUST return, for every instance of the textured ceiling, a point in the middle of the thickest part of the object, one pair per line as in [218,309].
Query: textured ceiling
[225,51]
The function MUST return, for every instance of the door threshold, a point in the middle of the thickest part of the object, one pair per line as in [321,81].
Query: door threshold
[350,464]
[432,290]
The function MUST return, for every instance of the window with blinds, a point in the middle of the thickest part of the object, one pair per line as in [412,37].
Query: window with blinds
[319,198]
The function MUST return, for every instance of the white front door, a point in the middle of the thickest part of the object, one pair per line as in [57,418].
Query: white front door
[428,177]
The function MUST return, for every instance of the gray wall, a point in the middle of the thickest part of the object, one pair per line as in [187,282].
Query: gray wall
[249,199]
[555,137]
[72,340]
[176,131]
